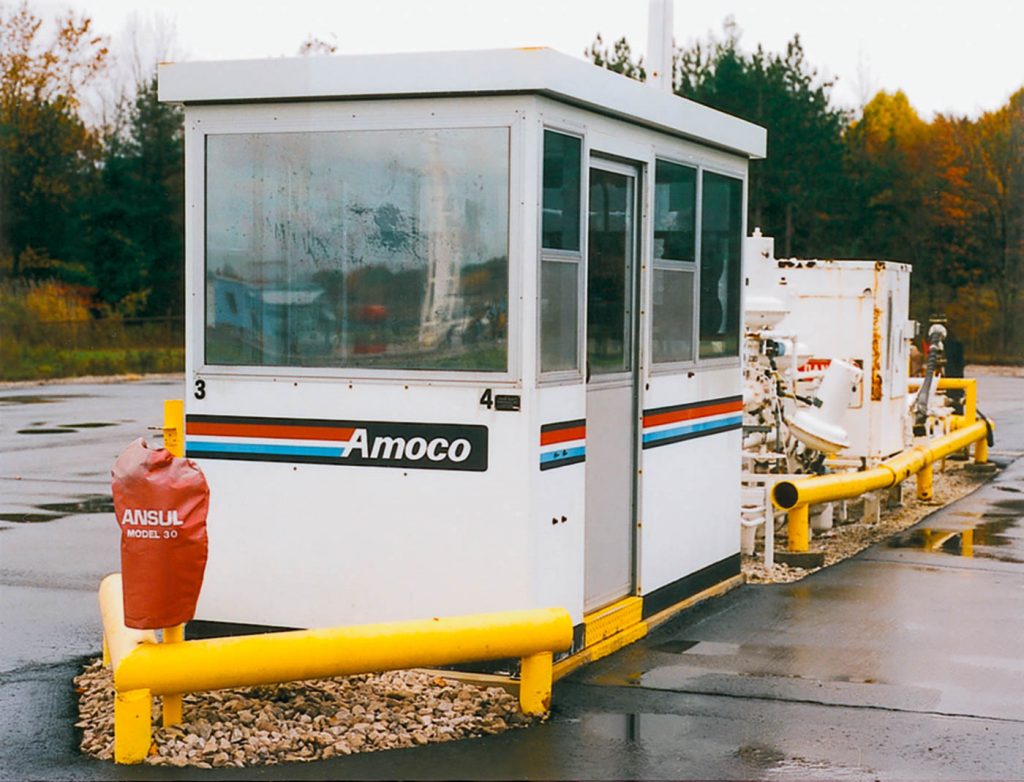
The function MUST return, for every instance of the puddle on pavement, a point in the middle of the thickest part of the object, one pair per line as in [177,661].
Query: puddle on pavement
[84,505]
[92,503]
[40,427]
[41,399]
[29,518]
[983,541]
[776,764]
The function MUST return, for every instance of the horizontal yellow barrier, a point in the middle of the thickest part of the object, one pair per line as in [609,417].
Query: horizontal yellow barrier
[218,663]
[797,496]
[143,668]
[816,489]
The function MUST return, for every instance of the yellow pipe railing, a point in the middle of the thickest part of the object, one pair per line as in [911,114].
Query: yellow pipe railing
[796,496]
[143,669]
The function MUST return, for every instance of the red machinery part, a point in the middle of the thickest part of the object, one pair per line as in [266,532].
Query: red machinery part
[161,503]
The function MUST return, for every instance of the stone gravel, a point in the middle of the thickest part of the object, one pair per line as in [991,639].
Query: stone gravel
[303,721]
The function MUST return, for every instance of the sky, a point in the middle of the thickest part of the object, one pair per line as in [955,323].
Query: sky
[952,56]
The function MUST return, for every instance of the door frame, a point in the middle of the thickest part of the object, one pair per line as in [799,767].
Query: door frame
[637,169]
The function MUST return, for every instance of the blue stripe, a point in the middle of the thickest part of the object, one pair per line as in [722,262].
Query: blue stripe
[705,426]
[562,453]
[198,448]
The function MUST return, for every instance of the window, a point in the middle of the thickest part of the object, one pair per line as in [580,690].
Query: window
[675,234]
[720,257]
[560,252]
[383,249]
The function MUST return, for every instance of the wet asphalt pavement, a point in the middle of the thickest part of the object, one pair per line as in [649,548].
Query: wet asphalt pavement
[905,662]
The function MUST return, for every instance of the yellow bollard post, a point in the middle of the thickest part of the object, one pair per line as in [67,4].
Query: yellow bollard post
[535,683]
[174,441]
[132,725]
[174,426]
[924,483]
[798,530]
[981,451]
[172,708]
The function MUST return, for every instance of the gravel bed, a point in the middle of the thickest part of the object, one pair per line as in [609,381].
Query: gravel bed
[844,540]
[303,721]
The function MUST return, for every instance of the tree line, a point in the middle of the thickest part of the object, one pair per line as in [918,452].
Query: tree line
[97,207]
[946,195]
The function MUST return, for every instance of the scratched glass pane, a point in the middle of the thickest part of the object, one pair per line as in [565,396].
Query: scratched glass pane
[378,249]
[672,303]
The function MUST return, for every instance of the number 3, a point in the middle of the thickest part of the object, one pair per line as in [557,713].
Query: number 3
[200,389]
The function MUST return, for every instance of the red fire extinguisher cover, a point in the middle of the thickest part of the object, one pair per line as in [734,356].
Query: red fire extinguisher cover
[161,502]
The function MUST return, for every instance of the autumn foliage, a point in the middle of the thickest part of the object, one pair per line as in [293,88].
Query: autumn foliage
[945,194]
[91,213]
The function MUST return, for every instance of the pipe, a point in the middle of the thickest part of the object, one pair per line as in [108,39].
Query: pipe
[935,336]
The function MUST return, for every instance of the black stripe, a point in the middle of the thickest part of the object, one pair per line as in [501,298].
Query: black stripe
[564,425]
[302,459]
[690,436]
[690,585]
[323,422]
[563,462]
[691,405]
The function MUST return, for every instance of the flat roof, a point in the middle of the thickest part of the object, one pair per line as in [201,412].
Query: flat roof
[450,74]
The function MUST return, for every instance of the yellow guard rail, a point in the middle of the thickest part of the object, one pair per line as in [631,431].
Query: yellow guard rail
[796,496]
[143,668]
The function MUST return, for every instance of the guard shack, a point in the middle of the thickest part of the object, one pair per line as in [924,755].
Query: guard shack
[463,336]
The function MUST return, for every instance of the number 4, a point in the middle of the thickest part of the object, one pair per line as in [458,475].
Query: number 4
[487,399]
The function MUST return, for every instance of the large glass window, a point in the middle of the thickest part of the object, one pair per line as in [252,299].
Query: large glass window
[721,234]
[560,252]
[383,249]
[675,235]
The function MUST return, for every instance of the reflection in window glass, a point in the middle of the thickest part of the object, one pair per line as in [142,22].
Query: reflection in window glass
[610,272]
[675,198]
[384,249]
[720,237]
[672,328]
[560,223]
[559,325]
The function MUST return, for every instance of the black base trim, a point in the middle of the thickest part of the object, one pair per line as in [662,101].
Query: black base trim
[690,585]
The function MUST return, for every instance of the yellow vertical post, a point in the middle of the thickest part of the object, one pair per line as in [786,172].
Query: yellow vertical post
[172,708]
[133,731]
[174,426]
[924,483]
[798,530]
[535,683]
[981,450]
[174,441]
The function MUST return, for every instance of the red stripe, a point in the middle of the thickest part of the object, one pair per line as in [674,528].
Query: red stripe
[271,431]
[694,412]
[563,435]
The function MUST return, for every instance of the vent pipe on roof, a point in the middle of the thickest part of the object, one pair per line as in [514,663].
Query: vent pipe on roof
[659,45]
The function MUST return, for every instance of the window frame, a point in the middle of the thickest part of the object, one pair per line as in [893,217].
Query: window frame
[563,376]
[208,121]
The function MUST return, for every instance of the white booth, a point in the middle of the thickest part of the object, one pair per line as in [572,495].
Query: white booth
[463,335]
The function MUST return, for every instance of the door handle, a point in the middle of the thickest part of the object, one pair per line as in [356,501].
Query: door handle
[588,371]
